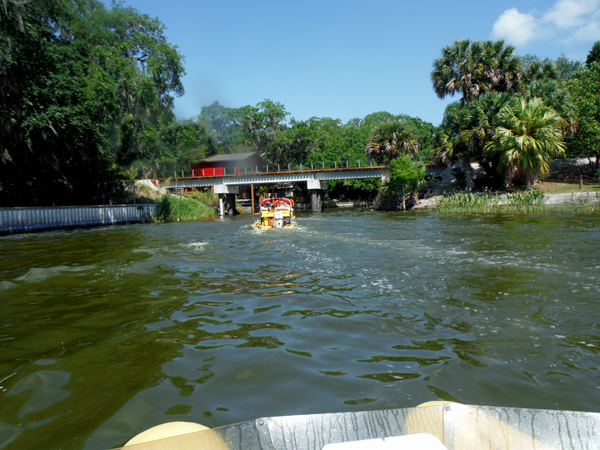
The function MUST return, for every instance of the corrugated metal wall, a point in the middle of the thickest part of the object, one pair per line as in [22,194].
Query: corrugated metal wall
[19,220]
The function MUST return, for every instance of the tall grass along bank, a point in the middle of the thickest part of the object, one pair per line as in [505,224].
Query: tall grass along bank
[518,202]
[175,208]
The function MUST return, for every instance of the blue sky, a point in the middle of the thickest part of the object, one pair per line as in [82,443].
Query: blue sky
[348,58]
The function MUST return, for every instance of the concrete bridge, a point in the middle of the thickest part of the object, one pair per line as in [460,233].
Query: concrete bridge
[229,185]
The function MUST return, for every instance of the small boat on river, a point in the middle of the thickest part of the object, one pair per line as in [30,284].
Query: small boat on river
[435,425]
[275,213]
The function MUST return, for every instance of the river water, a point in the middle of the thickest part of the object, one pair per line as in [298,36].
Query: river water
[107,332]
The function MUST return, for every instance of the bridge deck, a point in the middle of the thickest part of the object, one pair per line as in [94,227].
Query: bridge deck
[278,177]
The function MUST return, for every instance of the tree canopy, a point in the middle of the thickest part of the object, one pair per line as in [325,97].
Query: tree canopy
[594,55]
[483,126]
[78,83]
[584,88]
[529,137]
[472,68]
[389,140]
[87,100]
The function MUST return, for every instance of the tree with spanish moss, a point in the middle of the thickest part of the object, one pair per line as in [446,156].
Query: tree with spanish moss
[79,83]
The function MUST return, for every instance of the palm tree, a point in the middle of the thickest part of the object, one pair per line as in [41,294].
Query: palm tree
[529,137]
[480,121]
[462,68]
[505,72]
[554,95]
[389,139]
[474,67]
[538,70]
[479,128]
[450,147]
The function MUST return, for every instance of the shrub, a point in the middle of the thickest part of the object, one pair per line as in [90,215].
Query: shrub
[172,208]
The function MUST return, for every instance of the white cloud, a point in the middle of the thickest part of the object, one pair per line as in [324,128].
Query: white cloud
[515,27]
[573,13]
[566,20]
[589,32]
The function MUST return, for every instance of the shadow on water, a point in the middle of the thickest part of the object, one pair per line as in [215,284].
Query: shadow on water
[107,332]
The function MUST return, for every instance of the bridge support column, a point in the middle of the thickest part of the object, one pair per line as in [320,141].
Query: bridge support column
[316,199]
[227,205]
[316,195]
[230,207]
[226,198]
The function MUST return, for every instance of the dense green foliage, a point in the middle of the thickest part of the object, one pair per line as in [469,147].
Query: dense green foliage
[174,208]
[515,132]
[474,67]
[584,87]
[594,55]
[79,82]
[314,142]
[406,174]
[222,128]
[167,147]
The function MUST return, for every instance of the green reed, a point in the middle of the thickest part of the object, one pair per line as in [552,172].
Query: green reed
[517,202]
[585,206]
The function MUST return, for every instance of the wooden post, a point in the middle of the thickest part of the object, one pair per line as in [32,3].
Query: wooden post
[252,196]
[580,182]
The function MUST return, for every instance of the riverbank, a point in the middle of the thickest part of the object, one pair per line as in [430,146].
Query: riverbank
[571,182]
[574,201]
[334,205]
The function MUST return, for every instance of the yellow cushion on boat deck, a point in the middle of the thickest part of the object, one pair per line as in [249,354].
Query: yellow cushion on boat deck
[166,430]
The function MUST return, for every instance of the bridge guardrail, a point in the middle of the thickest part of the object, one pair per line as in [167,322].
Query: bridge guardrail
[275,168]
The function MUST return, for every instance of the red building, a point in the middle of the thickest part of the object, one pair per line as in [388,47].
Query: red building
[231,164]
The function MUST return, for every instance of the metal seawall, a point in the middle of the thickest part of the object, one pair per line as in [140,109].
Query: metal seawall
[30,219]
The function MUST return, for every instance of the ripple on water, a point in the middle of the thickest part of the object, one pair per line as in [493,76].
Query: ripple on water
[216,322]
[38,274]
